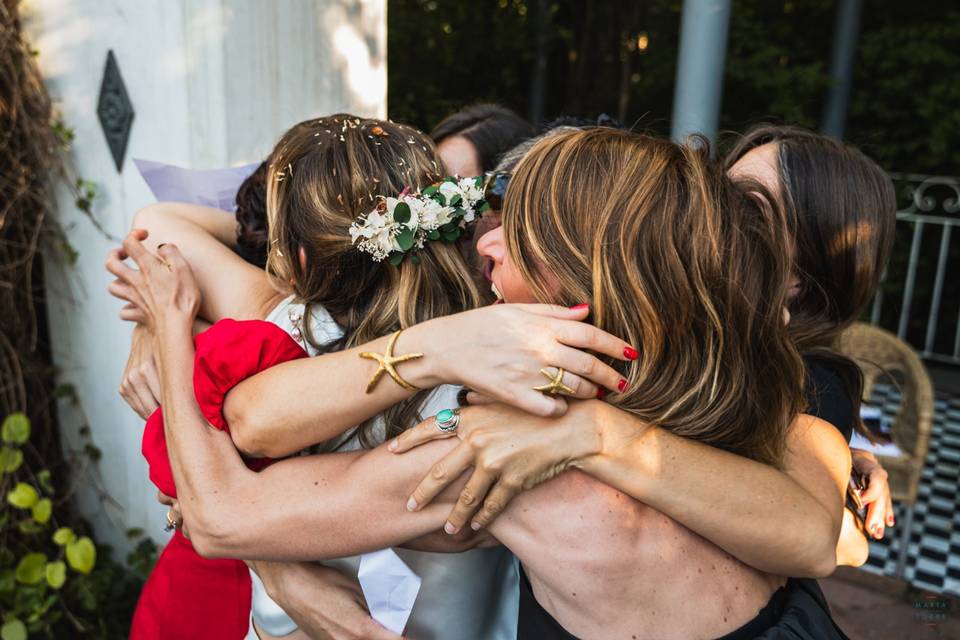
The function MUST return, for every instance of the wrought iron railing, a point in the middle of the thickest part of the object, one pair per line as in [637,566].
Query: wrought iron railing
[927,275]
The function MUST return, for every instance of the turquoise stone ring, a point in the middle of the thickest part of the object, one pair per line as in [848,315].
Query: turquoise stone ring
[448,420]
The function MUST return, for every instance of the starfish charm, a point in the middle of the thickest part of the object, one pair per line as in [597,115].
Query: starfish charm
[556,385]
[388,362]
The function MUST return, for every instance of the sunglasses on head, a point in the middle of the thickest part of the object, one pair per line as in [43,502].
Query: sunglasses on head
[495,187]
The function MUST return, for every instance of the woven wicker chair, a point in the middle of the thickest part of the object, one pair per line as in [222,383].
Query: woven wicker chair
[882,355]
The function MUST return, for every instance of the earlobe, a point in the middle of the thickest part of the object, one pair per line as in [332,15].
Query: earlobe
[302,255]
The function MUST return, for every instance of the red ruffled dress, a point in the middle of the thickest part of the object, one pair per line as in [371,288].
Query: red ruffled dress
[187,596]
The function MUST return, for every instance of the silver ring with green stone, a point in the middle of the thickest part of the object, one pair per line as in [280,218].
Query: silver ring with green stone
[448,420]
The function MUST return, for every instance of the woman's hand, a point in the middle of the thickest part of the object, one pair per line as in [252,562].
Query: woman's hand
[876,497]
[174,515]
[499,351]
[325,603]
[140,385]
[509,450]
[162,293]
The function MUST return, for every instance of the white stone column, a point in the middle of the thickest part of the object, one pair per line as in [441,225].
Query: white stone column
[213,83]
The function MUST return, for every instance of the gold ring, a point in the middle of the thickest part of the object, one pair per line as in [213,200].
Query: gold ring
[171,521]
[555,386]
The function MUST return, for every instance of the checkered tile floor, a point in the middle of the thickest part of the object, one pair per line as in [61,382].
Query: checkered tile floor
[933,554]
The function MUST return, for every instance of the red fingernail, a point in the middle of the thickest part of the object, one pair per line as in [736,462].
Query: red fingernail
[630,353]
[601,393]
[622,385]
[579,307]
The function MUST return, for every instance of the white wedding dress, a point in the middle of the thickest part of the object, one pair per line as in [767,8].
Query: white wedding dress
[472,595]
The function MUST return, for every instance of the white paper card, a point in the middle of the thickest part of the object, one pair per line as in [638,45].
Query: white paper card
[211,187]
[390,588]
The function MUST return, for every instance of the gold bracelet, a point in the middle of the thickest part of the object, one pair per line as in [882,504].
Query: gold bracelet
[388,363]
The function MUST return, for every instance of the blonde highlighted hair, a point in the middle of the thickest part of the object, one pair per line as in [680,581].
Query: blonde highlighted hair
[323,175]
[677,260]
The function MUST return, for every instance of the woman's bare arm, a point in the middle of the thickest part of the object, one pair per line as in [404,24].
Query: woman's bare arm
[783,522]
[229,286]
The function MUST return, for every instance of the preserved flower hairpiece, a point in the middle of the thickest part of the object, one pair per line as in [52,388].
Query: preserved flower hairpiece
[400,226]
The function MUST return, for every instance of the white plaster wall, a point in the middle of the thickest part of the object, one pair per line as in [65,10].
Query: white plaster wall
[213,83]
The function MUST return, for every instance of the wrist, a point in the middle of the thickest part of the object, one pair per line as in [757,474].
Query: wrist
[426,372]
[618,439]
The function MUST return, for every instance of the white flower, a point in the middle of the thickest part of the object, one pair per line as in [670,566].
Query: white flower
[374,233]
[450,190]
[433,215]
[472,194]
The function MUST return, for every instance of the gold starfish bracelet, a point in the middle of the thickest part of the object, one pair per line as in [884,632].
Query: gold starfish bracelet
[388,363]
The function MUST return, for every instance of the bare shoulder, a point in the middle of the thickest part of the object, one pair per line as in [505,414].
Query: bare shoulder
[809,435]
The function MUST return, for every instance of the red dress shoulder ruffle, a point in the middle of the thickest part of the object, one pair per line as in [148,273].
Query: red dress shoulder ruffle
[188,596]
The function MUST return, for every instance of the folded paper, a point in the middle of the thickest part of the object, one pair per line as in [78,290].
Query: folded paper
[208,187]
[390,588]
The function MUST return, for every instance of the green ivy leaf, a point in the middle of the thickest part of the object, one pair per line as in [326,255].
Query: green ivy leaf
[64,536]
[45,480]
[23,496]
[93,452]
[401,213]
[16,428]
[7,581]
[10,459]
[30,570]
[29,527]
[43,510]
[56,573]
[13,629]
[82,555]
[405,239]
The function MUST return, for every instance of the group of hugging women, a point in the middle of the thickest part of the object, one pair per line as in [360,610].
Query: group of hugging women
[581,379]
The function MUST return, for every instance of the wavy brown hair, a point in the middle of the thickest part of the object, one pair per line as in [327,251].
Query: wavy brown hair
[841,207]
[321,179]
[676,259]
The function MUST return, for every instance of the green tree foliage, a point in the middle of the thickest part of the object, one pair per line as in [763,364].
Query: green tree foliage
[619,57]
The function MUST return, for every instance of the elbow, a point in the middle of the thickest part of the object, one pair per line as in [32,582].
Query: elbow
[212,539]
[821,558]
[248,434]
[822,565]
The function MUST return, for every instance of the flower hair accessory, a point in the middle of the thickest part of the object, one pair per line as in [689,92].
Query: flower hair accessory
[400,226]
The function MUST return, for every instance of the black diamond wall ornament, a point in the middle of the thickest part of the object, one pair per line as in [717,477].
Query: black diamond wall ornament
[115,111]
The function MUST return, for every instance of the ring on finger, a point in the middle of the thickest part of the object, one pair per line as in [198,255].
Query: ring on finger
[555,386]
[171,522]
[447,420]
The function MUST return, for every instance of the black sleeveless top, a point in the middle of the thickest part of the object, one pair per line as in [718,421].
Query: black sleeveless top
[796,610]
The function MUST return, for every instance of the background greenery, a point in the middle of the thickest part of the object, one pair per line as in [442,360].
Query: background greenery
[444,54]
[545,58]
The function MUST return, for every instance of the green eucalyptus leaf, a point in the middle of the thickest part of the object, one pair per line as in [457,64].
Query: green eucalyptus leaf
[56,574]
[478,182]
[484,206]
[401,213]
[64,536]
[451,179]
[16,428]
[43,510]
[433,235]
[455,200]
[10,459]
[429,191]
[13,629]
[405,239]
[23,496]
[396,258]
[30,570]
[81,555]
[415,259]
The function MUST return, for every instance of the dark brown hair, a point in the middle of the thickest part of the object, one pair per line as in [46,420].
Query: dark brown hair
[490,128]
[678,260]
[842,208]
